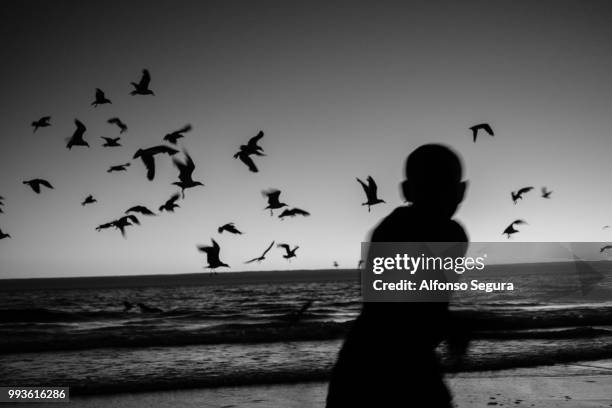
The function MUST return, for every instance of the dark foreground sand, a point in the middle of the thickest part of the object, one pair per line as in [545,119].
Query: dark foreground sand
[587,384]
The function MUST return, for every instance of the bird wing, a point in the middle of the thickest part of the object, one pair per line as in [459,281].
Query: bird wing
[99,94]
[363,185]
[133,219]
[524,190]
[149,162]
[246,159]
[114,121]
[267,249]
[165,149]
[251,260]
[173,199]
[372,189]
[487,128]
[273,196]
[509,229]
[184,129]
[145,79]
[519,222]
[299,211]
[285,246]
[474,130]
[252,144]
[45,119]
[285,213]
[45,183]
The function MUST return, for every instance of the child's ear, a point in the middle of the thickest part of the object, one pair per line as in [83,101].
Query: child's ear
[407,191]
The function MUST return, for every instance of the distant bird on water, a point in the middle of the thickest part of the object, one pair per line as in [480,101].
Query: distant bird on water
[140,209]
[546,193]
[251,148]
[518,195]
[262,256]
[170,204]
[273,200]
[36,183]
[118,167]
[3,235]
[89,200]
[481,126]
[111,141]
[229,227]
[371,192]
[116,121]
[185,169]
[605,248]
[177,134]
[42,122]
[77,137]
[212,255]
[510,228]
[148,159]
[289,253]
[142,87]
[293,212]
[101,99]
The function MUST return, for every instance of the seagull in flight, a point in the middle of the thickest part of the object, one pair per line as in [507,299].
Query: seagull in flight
[481,126]
[119,167]
[185,169]
[140,209]
[177,134]
[518,195]
[371,192]
[89,200]
[147,157]
[101,99]
[262,256]
[212,255]
[251,148]
[77,137]
[229,227]
[125,221]
[116,121]
[170,204]
[289,253]
[3,235]
[293,212]
[35,184]
[111,141]
[605,248]
[42,122]
[142,87]
[273,200]
[510,228]
[546,193]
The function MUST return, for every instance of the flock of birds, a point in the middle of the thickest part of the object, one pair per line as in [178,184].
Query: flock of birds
[186,167]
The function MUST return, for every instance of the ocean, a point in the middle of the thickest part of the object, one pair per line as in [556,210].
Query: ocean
[203,330]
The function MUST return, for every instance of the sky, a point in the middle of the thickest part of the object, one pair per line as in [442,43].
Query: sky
[341,90]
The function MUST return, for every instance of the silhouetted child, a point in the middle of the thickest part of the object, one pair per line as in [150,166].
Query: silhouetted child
[388,358]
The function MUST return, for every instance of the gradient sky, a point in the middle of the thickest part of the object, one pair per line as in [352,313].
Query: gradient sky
[341,89]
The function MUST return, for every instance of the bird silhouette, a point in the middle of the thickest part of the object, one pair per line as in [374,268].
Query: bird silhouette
[170,204]
[518,195]
[371,192]
[148,157]
[177,134]
[89,200]
[36,183]
[116,121]
[185,169]
[251,148]
[124,222]
[246,159]
[229,227]
[140,209]
[118,167]
[510,228]
[293,212]
[3,235]
[142,87]
[289,253]
[605,248]
[262,256]
[481,126]
[273,200]
[105,226]
[546,193]
[42,122]
[111,141]
[336,264]
[212,256]
[77,137]
[101,99]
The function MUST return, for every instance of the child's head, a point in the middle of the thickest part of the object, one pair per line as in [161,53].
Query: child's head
[434,180]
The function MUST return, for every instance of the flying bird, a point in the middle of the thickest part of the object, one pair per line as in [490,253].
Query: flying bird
[77,136]
[510,228]
[185,169]
[125,221]
[371,192]
[251,148]
[148,159]
[116,121]
[36,183]
[293,212]
[142,87]
[105,226]
[262,256]
[170,204]
[140,209]
[89,200]
[101,99]
[229,227]
[212,255]
[546,193]
[177,134]
[42,122]
[289,253]
[119,167]
[273,200]
[518,195]
[111,141]
[605,248]
[246,159]
[3,235]
[481,126]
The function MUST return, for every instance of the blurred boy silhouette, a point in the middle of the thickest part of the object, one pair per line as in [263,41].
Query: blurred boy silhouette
[388,359]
